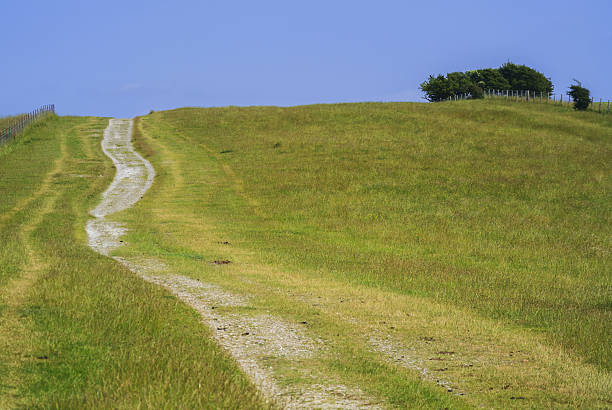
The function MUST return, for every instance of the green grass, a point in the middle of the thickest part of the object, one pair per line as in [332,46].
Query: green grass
[593,107]
[603,106]
[481,228]
[171,224]
[77,330]
[5,122]
[489,222]
[503,208]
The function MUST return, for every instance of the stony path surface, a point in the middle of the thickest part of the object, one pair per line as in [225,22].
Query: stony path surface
[251,339]
[133,178]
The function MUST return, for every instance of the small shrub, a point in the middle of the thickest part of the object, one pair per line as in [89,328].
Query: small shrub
[581,96]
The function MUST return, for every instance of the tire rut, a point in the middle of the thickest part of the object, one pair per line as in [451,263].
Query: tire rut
[12,322]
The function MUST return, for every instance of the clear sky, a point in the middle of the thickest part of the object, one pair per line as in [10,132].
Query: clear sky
[124,58]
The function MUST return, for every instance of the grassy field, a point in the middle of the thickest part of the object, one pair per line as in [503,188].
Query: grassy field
[77,330]
[593,107]
[462,244]
[482,229]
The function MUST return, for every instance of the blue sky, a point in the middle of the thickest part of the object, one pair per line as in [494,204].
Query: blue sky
[124,58]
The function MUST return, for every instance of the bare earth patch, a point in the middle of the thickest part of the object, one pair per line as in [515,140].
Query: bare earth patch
[252,339]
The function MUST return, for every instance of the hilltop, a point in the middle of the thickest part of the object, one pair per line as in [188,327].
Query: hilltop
[497,209]
[443,255]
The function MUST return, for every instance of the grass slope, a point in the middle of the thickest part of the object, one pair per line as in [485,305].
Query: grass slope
[487,222]
[76,329]
[505,208]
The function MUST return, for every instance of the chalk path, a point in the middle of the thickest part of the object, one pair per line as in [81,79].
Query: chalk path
[249,339]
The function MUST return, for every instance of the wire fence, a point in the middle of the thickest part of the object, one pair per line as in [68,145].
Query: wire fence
[22,121]
[603,106]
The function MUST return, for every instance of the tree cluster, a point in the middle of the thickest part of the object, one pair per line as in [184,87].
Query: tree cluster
[507,77]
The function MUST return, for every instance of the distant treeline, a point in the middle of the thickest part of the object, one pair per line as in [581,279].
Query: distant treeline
[507,77]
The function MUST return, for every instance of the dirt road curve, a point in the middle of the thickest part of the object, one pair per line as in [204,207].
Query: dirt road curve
[133,178]
[269,336]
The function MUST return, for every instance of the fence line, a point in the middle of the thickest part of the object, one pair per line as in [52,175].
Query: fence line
[603,106]
[24,120]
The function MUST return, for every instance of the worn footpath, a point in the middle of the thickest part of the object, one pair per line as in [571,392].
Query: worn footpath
[251,340]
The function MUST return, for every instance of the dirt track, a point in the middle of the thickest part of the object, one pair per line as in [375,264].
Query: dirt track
[249,339]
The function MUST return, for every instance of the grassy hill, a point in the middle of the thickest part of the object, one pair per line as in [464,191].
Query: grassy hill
[77,330]
[499,211]
[449,255]
[505,208]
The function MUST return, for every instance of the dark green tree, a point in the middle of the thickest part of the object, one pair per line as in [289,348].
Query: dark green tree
[581,96]
[460,83]
[476,92]
[437,88]
[508,77]
[489,78]
[442,87]
[521,77]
